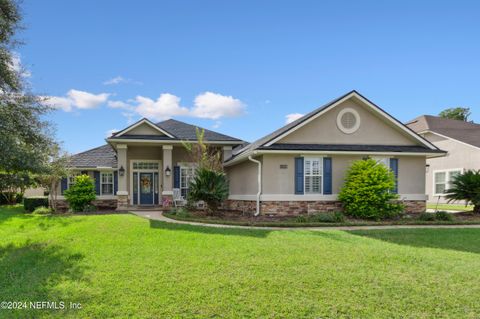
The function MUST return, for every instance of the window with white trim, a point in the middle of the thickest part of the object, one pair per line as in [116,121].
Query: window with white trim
[383,160]
[442,180]
[186,175]
[313,175]
[71,179]
[106,183]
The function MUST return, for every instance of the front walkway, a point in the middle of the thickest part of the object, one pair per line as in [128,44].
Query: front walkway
[157,215]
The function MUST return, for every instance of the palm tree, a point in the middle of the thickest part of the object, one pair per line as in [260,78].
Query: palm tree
[466,187]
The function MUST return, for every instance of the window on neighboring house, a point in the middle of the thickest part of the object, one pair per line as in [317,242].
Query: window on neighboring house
[186,174]
[383,160]
[443,180]
[106,183]
[313,173]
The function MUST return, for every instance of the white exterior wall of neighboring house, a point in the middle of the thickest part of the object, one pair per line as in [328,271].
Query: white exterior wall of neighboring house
[460,156]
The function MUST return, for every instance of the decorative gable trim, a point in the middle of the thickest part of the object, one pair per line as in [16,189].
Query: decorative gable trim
[367,102]
[141,122]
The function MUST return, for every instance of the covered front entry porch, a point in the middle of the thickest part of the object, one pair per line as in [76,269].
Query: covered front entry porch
[145,182]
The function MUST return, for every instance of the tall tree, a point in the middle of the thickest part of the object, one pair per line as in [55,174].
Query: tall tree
[25,138]
[456,113]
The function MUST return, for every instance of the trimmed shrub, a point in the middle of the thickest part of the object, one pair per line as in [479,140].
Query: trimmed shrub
[43,210]
[368,191]
[31,203]
[428,217]
[443,216]
[80,195]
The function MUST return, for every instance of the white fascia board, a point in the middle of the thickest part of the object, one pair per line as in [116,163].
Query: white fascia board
[128,140]
[143,121]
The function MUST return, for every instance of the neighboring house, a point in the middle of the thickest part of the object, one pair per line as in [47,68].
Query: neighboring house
[298,168]
[462,142]
[142,163]
[301,166]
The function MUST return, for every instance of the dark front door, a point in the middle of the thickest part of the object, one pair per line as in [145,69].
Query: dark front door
[146,188]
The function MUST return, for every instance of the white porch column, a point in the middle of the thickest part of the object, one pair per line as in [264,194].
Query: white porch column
[167,181]
[122,193]
[227,152]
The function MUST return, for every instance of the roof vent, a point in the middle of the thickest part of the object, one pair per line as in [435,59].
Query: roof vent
[348,120]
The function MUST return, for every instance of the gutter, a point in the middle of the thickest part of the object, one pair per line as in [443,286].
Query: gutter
[259,176]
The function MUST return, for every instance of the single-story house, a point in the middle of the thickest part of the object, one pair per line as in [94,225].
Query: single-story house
[298,168]
[462,142]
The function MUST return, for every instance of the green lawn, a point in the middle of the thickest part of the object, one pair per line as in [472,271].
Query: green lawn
[126,266]
[458,207]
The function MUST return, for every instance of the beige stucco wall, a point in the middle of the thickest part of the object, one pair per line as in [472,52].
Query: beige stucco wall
[460,156]
[144,129]
[372,130]
[275,180]
[243,178]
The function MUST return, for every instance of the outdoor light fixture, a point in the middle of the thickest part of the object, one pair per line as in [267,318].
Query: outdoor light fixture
[121,171]
[167,171]
[427,167]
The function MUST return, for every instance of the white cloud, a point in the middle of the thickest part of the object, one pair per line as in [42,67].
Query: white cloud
[165,107]
[86,100]
[120,79]
[58,102]
[214,106]
[289,118]
[120,105]
[110,132]
[76,99]
[217,124]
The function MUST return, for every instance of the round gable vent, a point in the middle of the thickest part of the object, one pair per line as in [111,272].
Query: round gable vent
[348,120]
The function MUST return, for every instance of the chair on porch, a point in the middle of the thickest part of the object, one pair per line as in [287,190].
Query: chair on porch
[178,199]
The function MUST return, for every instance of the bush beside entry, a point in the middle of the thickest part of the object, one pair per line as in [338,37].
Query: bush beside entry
[80,195]
[368,191]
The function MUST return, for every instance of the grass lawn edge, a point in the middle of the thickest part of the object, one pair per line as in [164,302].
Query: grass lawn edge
[288,224]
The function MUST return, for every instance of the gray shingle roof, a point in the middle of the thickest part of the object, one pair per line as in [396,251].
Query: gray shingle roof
[462,131]
[349,147]
[102,156]
[184,131]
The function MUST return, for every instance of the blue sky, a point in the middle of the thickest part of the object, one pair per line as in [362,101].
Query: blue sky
[240,67]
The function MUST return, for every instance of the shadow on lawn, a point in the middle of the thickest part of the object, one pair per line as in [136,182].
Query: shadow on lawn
[31,272]
[210,230]
[459,239]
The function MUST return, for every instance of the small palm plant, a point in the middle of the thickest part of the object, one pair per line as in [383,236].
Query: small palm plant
[210,186]
[466,187]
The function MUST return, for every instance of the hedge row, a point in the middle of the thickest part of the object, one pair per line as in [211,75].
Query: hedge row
[30,203]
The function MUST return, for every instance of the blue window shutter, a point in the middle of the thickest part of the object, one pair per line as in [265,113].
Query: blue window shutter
[176,177]
[327,175]
[115,182]
[299,175]
[63,185]
[96,176]
[394,168]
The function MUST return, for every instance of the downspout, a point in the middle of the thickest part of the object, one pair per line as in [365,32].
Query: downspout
[259,183]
